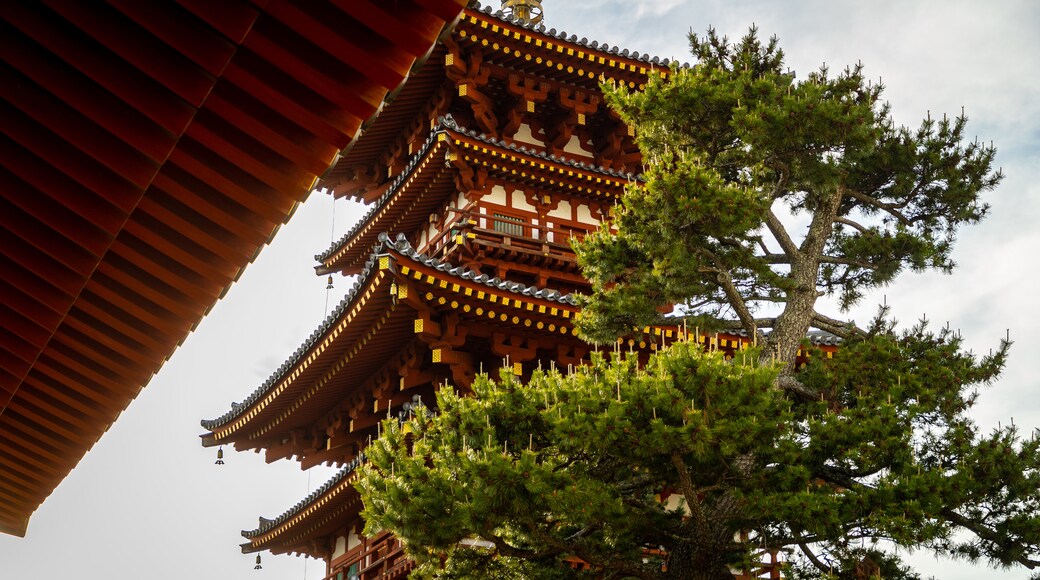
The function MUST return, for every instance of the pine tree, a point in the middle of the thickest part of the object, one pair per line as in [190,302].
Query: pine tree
[730,145]
[693,465]
[582,465]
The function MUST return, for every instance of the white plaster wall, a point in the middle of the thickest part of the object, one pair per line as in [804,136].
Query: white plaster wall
[520,202]
[585,215]
[497,195]
[574,147]
[562,211]
[341,547]
[353,540]
[524,135]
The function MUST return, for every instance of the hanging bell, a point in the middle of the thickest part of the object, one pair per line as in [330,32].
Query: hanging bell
[258,566]
[220,456]
[329,287]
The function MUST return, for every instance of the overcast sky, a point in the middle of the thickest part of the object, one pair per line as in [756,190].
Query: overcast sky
[148,501]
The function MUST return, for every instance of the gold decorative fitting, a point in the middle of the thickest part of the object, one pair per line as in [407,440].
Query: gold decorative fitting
[418,325]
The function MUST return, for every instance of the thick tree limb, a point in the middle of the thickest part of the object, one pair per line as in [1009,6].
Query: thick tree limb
[780,234]
[736,302]
[771,258]
[835,326]
[736,324]
[791,384]
[689,492]
[855,225]
[813,558]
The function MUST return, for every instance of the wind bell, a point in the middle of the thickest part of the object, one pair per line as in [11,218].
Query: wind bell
[258,566]
[220,456]
[329,287]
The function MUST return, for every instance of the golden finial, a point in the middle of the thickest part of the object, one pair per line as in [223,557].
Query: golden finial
[526,11]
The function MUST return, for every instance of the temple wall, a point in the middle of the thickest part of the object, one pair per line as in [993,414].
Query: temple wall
[524,135]
[341,547]
[574,147]
[520,202]
[497,195]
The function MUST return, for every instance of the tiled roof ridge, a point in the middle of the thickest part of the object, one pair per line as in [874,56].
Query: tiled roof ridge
[349,468]
[267,525]
[389,193]
[401,246]
[448,122]
[573,38]
[295,357]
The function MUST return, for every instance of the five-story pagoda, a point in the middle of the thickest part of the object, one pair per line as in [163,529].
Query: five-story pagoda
[478,171]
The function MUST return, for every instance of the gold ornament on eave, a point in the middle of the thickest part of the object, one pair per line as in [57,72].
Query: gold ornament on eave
[526,11]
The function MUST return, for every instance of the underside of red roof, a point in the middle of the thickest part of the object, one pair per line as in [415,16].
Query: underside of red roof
[149,150]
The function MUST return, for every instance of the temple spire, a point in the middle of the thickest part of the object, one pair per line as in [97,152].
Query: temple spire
[526,11]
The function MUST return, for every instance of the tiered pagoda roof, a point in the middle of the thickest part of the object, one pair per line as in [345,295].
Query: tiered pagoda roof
[506,44]
[361,363]
[293,530]
[426,180]
[342,359]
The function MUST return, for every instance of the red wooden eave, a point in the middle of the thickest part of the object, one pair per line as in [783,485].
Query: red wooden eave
[148,150]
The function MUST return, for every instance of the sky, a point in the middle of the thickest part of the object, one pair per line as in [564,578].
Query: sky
[148,497]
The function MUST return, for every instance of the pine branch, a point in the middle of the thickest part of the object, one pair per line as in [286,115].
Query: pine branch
[892,209]
[852,224]
[736,324]
[689,492]
[834,326]
[793,385]
[987,534]
[847,262]
[813,558]
[780,234]
[739,306]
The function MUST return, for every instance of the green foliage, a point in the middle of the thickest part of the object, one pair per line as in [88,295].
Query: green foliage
[691,465]
[732,143]
[574,465]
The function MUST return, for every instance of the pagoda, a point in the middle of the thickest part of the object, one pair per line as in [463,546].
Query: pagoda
[479,171]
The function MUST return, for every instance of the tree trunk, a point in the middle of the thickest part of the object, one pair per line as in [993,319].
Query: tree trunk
[793,324]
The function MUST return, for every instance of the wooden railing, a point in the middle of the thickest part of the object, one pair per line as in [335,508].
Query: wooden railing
[381,557]
[505,230]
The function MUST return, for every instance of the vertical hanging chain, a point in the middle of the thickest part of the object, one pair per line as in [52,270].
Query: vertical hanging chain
[328,291]
[332,240]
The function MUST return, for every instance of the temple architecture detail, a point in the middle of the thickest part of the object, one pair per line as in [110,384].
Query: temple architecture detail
[478,172]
